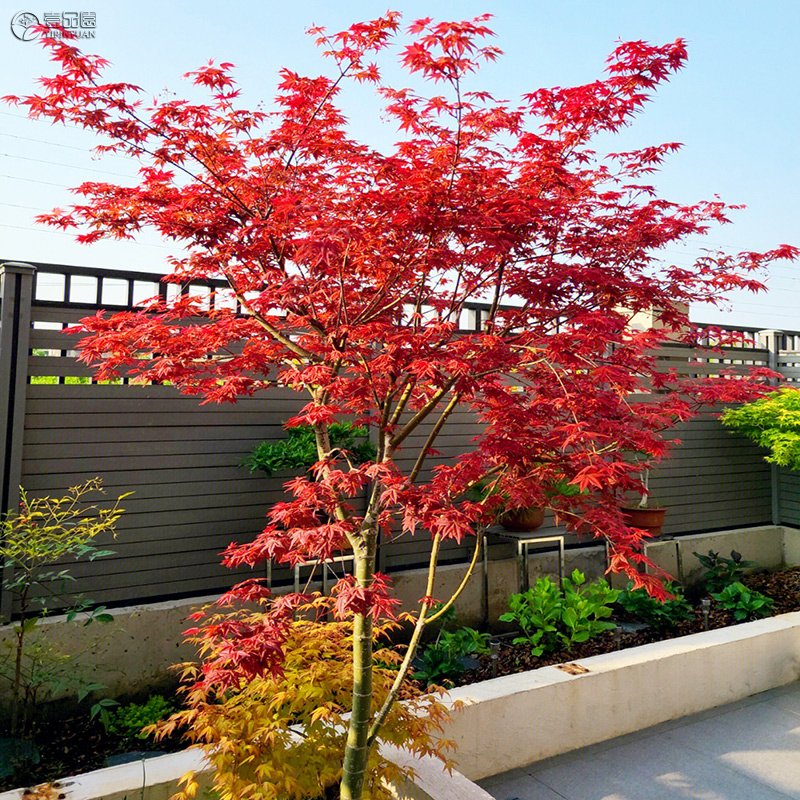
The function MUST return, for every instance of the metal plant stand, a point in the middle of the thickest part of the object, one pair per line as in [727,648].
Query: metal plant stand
[523,540]
[325,571]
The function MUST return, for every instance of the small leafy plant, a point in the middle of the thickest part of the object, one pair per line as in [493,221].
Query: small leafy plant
[660,615]
[551,618]
[128,721]
[743,602]
[44,532]
[437,665]
[298,450]
[586,607]
[721,572]
[442,661]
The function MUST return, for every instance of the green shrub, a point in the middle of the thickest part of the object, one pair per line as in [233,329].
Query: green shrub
[772,422]
[442,661]
[128,720]
[660,615]
[721,572]
[37,544]
[438,665]
[298,451]
[551,618]
[466,642]
[745,603]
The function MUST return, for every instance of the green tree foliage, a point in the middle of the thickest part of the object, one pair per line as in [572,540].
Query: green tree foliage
[772,422]
[298,451]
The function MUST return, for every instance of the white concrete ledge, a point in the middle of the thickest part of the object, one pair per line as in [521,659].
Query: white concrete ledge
[152,779]
[157,779]
[515,720]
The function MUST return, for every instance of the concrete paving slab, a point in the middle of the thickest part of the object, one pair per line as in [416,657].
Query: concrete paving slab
[517,785]
[761,741]
[748,750]
[787,698]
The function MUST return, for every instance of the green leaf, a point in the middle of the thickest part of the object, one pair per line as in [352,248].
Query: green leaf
[570,617]
[29,624]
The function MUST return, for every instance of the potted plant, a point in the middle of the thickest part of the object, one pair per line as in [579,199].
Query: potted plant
[526,518]
[645,516]
[298,453]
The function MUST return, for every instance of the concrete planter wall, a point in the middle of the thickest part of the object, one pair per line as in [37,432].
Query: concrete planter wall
[157,779]
[512,721]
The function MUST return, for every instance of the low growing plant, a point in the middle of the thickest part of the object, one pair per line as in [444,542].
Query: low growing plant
[442,661]
[437,665]
[743,602]
[660,615]
[551,618]
[128,721]
[720,571]
[44,532]
[586,607]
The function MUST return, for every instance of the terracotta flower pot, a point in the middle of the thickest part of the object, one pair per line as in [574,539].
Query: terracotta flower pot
[648,519]
[522,519]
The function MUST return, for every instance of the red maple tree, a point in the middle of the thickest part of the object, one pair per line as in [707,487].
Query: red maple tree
[350,269]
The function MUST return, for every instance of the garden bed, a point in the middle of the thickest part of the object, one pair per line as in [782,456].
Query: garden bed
[516,720]
[77,745]
[782,587]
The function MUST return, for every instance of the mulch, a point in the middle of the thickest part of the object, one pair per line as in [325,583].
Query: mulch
[75,745]
[783,587]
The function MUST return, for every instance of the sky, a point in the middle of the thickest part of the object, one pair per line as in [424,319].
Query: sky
[734,107]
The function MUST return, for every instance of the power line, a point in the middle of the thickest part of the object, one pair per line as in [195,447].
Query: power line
[69,166]
[32,180]
[72,235]
[85,150]
[27,208]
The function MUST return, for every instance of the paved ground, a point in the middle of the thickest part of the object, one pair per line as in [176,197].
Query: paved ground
[748,750]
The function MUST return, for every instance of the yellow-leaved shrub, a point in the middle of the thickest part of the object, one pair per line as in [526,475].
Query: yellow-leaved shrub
[283,737]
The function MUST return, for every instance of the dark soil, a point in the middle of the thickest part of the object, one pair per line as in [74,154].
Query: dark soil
[783,587]
[76,744]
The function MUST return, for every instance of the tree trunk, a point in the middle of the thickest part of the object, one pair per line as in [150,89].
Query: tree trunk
[356,751]
[15,694]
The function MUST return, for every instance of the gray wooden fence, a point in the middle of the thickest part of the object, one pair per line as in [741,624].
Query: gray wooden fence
[183,462]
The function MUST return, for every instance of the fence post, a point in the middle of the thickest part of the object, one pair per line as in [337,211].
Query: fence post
[771,341]
[16,294]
